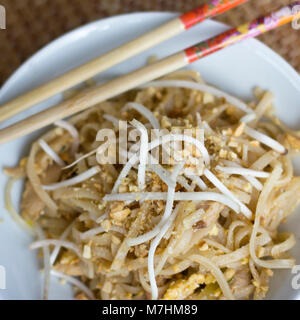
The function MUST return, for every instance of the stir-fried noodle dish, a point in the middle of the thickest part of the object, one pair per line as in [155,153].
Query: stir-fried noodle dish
[174,190]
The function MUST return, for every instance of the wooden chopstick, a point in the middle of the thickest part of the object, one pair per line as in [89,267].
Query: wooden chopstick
[117,86]
[104,62]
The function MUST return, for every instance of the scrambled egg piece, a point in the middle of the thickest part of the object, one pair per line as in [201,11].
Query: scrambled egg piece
[181,289]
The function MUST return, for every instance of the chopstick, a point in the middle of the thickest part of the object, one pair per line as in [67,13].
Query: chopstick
[92,96]
[104,62]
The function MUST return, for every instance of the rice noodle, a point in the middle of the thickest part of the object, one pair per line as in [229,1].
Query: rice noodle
[213,179]
[201,127]
[56,250]
[53,242]
[217,273]
[239,254]
[95,231]
[80,159]
[162,173]
[143,153]
[265,140]
[278,263]
[255,183]
[115,121]
[263,105]
[201,87]
[47,265]
[51,153]
[284,246]
[11,209]
[197,180]
[217,245]
[35,181]
[168,210]
[188,139]
[73,132]
[184,183]
[144,112]
[153,246]
[178,196]
[231,230]
[154,144]
[76,180]
[248,118]
[75,282]
[243,172]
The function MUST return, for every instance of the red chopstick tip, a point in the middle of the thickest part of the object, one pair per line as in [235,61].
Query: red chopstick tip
[191,18]
[215,7]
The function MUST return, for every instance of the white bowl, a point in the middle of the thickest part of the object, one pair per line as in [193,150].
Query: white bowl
[236,70]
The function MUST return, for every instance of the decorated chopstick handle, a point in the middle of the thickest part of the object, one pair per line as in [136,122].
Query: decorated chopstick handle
[210,10]
[247,30]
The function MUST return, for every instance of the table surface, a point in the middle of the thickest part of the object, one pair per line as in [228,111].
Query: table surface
[31,24]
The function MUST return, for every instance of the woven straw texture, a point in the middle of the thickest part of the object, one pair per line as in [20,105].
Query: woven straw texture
[33,23]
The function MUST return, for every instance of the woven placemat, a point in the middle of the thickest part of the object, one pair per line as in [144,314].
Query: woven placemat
[33,23]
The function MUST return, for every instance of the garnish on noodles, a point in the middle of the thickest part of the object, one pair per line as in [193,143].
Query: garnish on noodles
[174,190]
